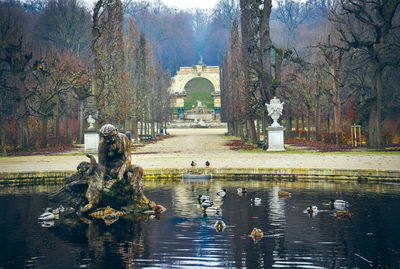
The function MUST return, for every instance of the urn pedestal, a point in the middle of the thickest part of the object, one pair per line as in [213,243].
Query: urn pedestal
[92,138]
[275,138]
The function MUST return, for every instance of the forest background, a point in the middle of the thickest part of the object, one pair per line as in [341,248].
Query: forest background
[334,63]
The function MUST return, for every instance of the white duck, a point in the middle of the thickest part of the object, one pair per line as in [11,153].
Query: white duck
[211,210]
[255,201]
[338,204]
[47,215]
[221,193]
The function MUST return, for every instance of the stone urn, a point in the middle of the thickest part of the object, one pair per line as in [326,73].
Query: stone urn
[275,108]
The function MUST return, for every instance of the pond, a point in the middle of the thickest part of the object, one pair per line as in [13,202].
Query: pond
[183,237]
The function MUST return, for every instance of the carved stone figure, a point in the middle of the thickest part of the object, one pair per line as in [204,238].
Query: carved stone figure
[95,186]
[113,182]
[114,152]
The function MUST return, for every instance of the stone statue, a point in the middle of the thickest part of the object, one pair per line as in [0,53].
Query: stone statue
[275,108]
[113,182]
[91,121]
[114,152]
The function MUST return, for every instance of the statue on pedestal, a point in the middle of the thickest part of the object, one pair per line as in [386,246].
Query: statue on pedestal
[113,183]
[91,121]
[275,131]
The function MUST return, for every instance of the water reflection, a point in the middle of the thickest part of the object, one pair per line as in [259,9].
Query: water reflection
[186,238]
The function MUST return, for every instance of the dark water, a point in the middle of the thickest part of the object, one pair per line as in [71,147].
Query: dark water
[184,238]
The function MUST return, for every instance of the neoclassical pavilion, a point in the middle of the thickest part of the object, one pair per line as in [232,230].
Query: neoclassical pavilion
[184,75]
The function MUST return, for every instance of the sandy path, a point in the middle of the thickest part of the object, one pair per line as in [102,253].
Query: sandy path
[208,145]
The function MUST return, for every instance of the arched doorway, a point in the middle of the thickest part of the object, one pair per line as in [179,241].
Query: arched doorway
[185,75]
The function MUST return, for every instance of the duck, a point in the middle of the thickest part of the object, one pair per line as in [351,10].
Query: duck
[338,204]
[201,198]
[343,214]
[241,191]
[219,226]
[221,193]
[211,210]
[207,203]
[193,164]
[256,234]
[284,194]
[47,215]
[207,164]
[255,201]
[312,209]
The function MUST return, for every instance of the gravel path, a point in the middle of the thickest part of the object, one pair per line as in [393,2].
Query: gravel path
[203,145]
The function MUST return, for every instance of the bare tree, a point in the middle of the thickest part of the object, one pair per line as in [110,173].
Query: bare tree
[367,27]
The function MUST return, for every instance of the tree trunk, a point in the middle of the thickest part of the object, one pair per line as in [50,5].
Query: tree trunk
[317,119]
[81,123]
[43,133]
[308,124]
[135,130]
[252,131]
[374,123]
[231,128]
[68,128]
[3,133]
[290,119]
[57,119]
[152,126]
[23,124]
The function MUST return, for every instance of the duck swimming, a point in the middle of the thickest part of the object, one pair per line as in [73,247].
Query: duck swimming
[343,214]
[312,209]
[241,191]
[207,203]
[221,193]
[219,226]
[338,204]
[256,234]
[255,201]
[47,215]
[202,198]
[211,210]
[284,194]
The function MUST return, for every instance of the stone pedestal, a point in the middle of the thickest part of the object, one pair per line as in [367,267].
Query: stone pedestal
[92,139]
[275,138]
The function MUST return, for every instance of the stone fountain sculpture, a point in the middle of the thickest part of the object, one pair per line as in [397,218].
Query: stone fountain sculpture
[275,131]
[110,188]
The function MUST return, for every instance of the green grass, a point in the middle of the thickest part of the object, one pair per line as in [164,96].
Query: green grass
[199,89]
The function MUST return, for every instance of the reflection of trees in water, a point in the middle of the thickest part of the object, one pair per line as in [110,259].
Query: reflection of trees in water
[101,240]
